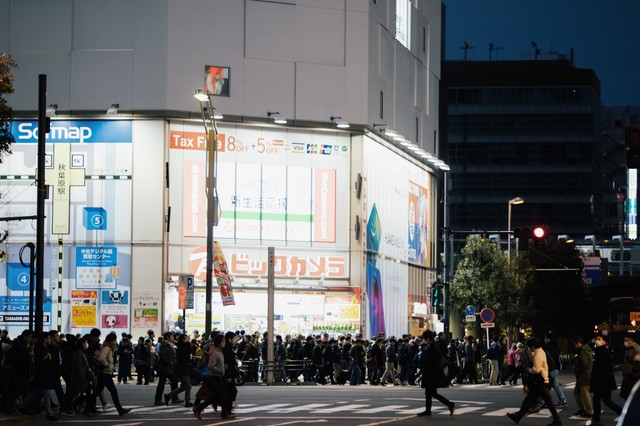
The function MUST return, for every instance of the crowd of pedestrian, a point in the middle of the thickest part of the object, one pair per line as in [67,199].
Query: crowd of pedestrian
[34,365]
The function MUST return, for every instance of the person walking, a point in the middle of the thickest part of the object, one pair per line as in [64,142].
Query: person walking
[553,361]
[583,368]
[492,356]
[142,361]
[125,352]
[42,383]
[166,369]
[105,375]
[182,370]
[537,383]
[80,386]
[631,367]
[357,362]
[469,362]
[215,381]
[390,363]
[602,380]
[431,366]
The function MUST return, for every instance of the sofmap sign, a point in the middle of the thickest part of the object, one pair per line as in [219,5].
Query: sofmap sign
[115,131]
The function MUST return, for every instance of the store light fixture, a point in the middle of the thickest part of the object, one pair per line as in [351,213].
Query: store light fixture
[51,110]
[444,167]
[113,109]
[201,95]
[340,123]
[277,118]
[217,114]
[406,143]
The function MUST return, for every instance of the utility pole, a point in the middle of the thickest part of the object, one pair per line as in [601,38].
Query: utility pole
[447,258]
[42,194]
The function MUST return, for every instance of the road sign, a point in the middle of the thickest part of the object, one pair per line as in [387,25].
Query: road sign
[470,310]
[487,325]
[486,315]
[471,318]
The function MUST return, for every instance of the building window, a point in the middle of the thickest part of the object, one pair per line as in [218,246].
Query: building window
[424,39]
[381,104]
[403,22]
[418,131]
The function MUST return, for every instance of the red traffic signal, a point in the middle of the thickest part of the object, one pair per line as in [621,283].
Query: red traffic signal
[538,232]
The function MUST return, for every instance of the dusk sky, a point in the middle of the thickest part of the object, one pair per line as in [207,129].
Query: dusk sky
[604,34]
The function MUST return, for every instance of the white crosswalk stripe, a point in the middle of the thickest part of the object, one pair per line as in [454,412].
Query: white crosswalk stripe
[349,407]
[380,409]
[261,408]
[306,407]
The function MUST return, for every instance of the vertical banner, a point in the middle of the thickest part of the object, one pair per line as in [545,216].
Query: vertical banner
[195,199]
[324,205]
[418,224]
[222,275]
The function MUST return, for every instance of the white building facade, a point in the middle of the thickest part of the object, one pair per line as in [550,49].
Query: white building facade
[351,212]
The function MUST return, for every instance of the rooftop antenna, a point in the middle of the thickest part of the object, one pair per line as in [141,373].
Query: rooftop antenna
[465,48]
[492,48]
[537,51]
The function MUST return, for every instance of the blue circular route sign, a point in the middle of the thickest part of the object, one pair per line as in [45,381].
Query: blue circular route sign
[470,310]
[486,315]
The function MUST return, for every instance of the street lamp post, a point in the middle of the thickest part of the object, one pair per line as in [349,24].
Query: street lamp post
[517,200]
[210,128]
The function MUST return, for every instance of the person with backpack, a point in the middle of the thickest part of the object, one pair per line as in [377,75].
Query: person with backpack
[182,370]
[142,360]
[356,354]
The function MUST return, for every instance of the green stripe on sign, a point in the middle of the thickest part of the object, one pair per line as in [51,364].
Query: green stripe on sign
[268,216]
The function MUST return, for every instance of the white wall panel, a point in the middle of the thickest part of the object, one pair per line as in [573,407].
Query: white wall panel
[321,35]
[269,86]
[268,31]
[56,66]
[148,181]
[5,28]
[99,79]
[99,24]
[320,91]
[41,25]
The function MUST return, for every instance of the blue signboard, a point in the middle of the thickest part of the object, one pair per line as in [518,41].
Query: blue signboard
[115,297]
[18,277]
[94,218]
[590,271]
[109,131]
[470,310]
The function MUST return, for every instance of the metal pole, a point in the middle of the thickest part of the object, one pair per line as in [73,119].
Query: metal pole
[270,367]
[42,133]
[446,256]
[621,255]
[211,185]
[509,235]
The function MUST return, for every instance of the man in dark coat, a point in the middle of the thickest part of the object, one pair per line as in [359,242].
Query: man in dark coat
[166,369]
[584,364]
[631,368]
[431,366]
[317,357]
[42,383]
[602,379]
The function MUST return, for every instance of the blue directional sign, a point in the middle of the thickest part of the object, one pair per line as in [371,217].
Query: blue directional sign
[470,310]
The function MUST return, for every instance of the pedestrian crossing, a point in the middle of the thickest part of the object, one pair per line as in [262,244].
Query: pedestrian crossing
[478,408]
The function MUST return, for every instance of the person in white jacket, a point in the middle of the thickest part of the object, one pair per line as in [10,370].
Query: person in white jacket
[538,384]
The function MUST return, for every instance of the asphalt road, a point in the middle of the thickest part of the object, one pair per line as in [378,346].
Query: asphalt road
[477,405]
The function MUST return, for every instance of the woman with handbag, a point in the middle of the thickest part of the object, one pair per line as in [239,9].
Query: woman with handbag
[433,377]
[82,378]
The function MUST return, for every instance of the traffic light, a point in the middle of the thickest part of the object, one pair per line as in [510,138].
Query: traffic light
[526,234]
[437,299]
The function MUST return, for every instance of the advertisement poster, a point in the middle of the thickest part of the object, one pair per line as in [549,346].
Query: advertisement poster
[146,306]
[418,223]
[84,305]
[96,267]
[222,276]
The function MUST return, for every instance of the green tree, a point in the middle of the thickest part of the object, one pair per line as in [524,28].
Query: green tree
[485,280]
[6,113]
